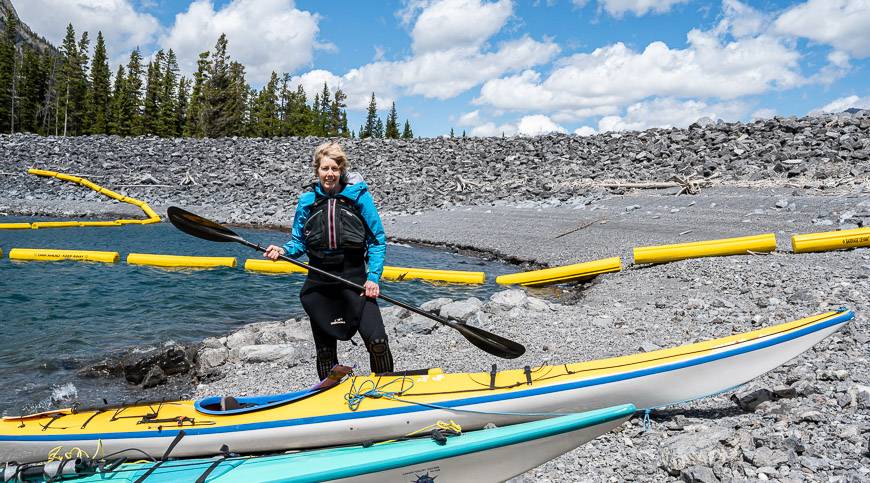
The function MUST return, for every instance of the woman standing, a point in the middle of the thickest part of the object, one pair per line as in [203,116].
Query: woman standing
[338,227]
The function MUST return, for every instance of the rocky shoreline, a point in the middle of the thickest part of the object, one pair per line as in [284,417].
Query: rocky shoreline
[520,199]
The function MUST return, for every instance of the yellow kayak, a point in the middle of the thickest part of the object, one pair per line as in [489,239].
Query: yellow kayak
[378,407]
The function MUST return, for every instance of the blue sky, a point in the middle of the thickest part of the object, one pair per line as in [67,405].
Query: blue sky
[516,67]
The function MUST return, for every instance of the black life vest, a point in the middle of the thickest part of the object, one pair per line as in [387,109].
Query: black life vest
[334,228]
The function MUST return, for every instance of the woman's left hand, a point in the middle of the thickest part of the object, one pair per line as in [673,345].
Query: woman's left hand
[372,289]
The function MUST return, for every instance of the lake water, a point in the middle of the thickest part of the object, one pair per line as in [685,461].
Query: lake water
[57,317]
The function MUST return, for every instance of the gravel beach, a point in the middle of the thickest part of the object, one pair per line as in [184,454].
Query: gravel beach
[815,424]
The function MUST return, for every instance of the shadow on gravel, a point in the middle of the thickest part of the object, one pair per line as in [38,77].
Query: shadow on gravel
[666,415]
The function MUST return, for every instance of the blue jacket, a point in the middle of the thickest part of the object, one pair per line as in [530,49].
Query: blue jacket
[358,193]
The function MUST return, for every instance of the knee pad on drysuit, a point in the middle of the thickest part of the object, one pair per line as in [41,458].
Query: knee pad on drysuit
[380,357]
[327,358]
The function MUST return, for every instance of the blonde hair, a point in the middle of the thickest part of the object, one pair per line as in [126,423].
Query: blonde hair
[333,151]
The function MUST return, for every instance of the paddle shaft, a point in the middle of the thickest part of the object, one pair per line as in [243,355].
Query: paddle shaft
[349,283]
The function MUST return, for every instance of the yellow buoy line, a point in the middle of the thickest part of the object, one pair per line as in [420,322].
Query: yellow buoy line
[151,214]
[707,248]
[390,273]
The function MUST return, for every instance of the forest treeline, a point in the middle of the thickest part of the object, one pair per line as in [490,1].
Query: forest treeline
[73,93]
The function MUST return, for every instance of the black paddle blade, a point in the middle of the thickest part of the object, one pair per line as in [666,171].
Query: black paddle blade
[489,342]
[200,227]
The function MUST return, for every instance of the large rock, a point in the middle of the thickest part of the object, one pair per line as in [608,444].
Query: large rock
[714,446]
[509,299]
[171,360]
[461,309]
[266,352]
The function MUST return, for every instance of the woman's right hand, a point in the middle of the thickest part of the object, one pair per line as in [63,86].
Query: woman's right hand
[273,252]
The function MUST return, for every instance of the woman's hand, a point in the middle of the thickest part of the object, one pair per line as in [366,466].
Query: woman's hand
[372,289]
[273,252]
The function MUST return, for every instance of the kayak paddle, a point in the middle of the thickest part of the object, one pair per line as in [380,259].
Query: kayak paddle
[209,230]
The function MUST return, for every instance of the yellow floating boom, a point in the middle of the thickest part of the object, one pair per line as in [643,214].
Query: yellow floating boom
[268,266]
[47,254]
[432,275]
[153,217]
[390,273]
[831,240]
[563,274]
[707,248]
[179,261]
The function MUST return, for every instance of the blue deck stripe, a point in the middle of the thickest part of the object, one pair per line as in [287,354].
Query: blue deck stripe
[841,318]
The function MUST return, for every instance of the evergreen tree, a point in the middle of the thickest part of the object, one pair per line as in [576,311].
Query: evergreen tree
[194,125]
[266,110]
[117,124]
[153,92]
[98,113]
[168,125]
[32,92]
[407,133]
[284,96]
[463,134]
[7,74]
[50,66]
[238,108]
[132,100]
[371,119]
[313,128]
[182,105]
[379,129]
[66,84]
[392,128]
[226,94]
[338,115]
[324,121]
[451,132]
[82,99]
[299,114]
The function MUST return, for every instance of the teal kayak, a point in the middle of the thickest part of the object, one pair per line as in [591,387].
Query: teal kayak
[495,454]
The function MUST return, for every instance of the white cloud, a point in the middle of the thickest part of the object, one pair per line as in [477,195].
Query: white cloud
[585,131]
[618,8]
[668,112]
[123,27]
[843,24]
[765,113]
[841,104]
[264,35]
[741,20]
[537,124]
[458,23]
[470,119]
[489,129]
[616,75]
[441,74]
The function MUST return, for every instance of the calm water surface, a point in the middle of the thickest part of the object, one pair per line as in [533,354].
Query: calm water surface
[57,317]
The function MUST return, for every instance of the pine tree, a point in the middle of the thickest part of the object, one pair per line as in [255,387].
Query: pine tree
[238,108]
[371,119]
[83,91]
[168,125]
[451,132]
[132,101]
[324,124]
[226,94]
[32,92]
[313,128]
[194,126]
[153,93]
[7,74]
[337,115]
[50,66]
[463,134]
[392,128]
[117,123]
[266,110]
[379,129]
[181,106]
[99,89]
[299,114]
[407,133]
